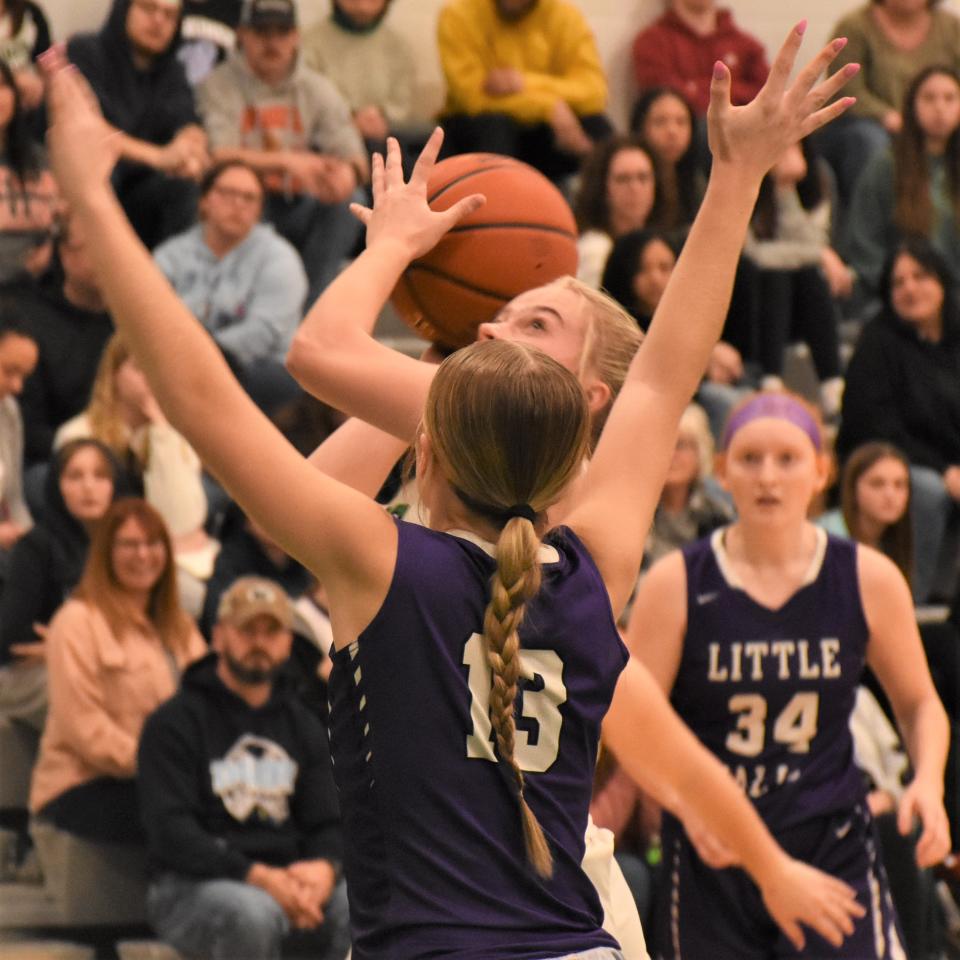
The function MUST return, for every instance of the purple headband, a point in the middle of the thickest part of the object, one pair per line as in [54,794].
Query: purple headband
[780,406]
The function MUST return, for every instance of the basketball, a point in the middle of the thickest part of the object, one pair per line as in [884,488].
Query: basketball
[522,237]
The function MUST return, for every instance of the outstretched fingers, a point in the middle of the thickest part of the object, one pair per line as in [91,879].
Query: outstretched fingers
[462,208]
[782,66]
[377,185]
[824,91]
[720,90]
[810,73]
[362,213]
[428,158]
[393,170]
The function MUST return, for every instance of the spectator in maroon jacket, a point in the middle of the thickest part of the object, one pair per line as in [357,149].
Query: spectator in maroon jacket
[680,48]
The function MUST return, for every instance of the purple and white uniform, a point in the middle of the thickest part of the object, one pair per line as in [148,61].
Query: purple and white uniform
[770,692]
[435,858]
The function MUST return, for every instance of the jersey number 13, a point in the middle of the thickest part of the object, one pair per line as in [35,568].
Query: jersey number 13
[543,706]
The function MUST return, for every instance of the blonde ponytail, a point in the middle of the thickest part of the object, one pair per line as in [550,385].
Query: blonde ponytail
[509,429]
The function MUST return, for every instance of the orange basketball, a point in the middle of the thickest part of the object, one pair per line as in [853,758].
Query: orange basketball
[522,237]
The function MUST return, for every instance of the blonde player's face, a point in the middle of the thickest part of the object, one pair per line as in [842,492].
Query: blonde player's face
[552,318]
[772,471]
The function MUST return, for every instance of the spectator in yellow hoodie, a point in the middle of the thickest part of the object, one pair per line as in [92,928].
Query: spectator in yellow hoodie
[524,79]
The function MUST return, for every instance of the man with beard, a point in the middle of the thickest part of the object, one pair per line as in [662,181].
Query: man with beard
[238,799]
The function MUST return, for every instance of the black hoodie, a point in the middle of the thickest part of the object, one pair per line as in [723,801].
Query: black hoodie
[150,104]
[45,565]
[70,342]
[905,390]
[223,785]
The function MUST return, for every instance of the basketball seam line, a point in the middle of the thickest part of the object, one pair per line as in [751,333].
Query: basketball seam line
[450,278]
[518,225]
[466,176]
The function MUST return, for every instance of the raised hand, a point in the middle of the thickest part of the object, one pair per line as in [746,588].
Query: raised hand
[400,211]
[83,147]
[800,894]
[753,136]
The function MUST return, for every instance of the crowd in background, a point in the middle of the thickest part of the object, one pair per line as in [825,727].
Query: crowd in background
[243,141]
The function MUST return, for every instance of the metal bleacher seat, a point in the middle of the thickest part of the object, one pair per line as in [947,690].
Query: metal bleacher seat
[18,751]
[91,883]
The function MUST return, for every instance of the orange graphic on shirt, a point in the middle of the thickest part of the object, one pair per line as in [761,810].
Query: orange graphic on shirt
[275,126]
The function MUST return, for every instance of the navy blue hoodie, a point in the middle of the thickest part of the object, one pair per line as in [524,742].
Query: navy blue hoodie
[224,785]
[151,104]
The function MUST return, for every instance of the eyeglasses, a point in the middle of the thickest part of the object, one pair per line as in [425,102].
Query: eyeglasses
[247,197]
[153,8]
[126,545]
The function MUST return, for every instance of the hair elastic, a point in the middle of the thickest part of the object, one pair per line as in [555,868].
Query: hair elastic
[779,406]
[496,514]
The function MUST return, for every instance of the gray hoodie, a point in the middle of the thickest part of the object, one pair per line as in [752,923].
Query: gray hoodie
[304,112]
[251,300]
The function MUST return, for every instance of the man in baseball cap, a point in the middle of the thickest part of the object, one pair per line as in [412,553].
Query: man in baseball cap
[258,14]
[252,636]
[237,792]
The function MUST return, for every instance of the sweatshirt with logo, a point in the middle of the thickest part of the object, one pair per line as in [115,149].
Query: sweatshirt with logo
[224,785]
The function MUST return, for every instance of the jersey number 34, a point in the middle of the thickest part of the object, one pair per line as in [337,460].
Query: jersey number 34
[543,706]
[795,726]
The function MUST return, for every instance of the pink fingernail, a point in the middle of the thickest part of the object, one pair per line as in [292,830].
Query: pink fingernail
[801,28]
[850,69]
[839,44]
[718,70]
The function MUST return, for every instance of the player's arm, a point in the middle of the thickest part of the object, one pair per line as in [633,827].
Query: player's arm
[342,536]
[655,635]
[668,753]
[335,340]
[895,654]
[627,471]
[359,455]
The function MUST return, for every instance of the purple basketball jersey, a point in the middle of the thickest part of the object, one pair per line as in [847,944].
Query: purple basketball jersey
[435,858]
[770,692]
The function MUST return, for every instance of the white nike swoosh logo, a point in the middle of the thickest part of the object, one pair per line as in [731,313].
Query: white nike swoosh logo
[841,832]
[703,598]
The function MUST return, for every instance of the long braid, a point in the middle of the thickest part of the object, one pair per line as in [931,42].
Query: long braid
[515,582]
[508,429]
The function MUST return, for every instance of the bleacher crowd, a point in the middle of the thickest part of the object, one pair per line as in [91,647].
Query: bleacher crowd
[124,567]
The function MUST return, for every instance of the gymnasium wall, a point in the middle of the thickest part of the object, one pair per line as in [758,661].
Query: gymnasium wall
[615,22]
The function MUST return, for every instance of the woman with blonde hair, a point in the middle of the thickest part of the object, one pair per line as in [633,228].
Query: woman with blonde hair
[157,461]
[114,653]
[687,509]
[475,660]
